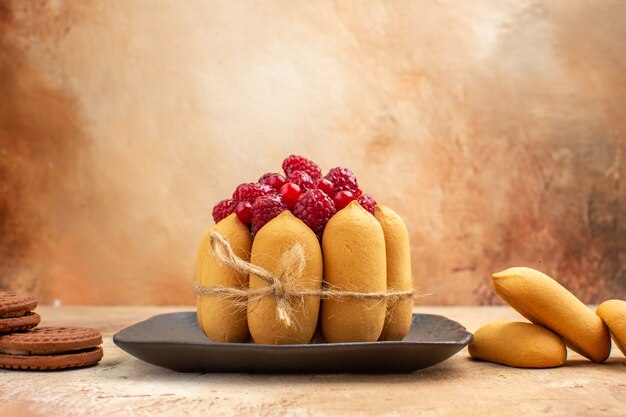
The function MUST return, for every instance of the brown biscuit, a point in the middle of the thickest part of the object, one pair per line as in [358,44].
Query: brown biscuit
[52,362]
[51,339]
[49,348]
[20,323]
[13,302]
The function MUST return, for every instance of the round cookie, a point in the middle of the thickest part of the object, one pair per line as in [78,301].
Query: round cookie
[613,314]
[49,348]
[52,362]
[15,312]
[12,302]
[20,323]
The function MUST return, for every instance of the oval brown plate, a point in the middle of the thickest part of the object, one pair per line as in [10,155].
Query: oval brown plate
[175,341]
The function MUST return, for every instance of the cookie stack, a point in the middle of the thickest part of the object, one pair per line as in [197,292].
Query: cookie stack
[23,346]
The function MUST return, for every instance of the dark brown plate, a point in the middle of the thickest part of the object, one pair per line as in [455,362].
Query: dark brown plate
[175,341]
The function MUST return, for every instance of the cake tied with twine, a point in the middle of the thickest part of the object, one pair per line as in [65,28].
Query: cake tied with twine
[283,287]
[278,270]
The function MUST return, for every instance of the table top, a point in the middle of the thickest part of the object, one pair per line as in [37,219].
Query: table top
[122,385]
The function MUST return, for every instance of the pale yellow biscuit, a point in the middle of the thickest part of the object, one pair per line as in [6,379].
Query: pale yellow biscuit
[354,260]
[270,243]
[613,313]
[398,255]
[522,345]
[220,320]
[544,301]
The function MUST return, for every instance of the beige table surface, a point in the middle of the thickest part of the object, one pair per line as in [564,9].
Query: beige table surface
[124,386]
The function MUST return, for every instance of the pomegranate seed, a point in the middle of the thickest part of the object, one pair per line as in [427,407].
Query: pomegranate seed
[290,193]
[326,186]
[343,198]
[273,179]
[244,212]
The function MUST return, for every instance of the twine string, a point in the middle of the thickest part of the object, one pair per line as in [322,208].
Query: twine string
[283,287]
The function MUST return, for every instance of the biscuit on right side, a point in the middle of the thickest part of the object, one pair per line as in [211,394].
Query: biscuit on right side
[547,303]
[613,314]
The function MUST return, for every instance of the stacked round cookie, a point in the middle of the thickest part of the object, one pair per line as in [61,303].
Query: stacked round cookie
[25,347]
[16,312]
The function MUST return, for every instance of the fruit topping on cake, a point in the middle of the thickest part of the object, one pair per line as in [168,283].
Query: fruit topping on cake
[301,179]
[264,209]
[315,209]
[343,179]
[302,189]
[223,209]
[299,163]
[367,202]
[273,179]
[251,191]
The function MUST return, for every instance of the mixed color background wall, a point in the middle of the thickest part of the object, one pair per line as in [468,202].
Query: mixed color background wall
[496,128]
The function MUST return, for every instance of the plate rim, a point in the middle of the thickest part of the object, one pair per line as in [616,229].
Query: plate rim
[118,337]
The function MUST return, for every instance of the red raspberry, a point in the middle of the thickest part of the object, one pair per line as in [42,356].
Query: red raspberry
[367,202]
[223,209]
[272,179]
[344,180]
[343,198]
[264,209]
[300,163]
[315,208]
[302,179]
[250,191]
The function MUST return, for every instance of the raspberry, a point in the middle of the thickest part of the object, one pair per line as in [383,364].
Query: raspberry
[243,210]
[301,179]
[367,202]
[299,163]
[315,208]
[272,179]
[344,180]
[251,191]
[223,209]
[343,198]
[264,209]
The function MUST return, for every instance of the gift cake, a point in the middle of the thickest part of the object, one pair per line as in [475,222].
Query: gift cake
[298,255]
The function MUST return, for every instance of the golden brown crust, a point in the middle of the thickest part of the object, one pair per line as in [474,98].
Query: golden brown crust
[522,345]
[613,314]
[398,255]
[544,301]
[270,243]
[220,320]
[353,245]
